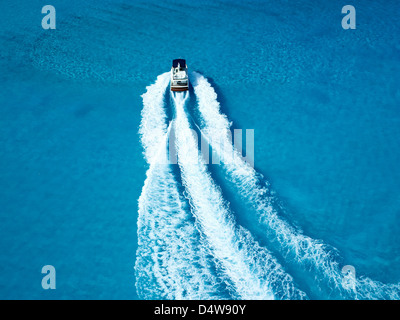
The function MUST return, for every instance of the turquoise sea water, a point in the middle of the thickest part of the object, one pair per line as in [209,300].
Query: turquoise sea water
[324,106]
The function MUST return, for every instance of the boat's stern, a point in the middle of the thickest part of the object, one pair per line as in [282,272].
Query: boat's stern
[179,75]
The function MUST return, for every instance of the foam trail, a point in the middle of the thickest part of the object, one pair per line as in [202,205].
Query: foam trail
[172,261]
[295,246]
[252,271]
[153,126]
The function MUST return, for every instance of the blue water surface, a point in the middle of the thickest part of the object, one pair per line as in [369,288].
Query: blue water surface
[323,101]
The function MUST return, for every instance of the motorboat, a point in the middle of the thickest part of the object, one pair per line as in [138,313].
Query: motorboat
[179,75]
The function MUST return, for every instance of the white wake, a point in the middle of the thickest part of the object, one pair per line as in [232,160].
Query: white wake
[171,260]
[308,253]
